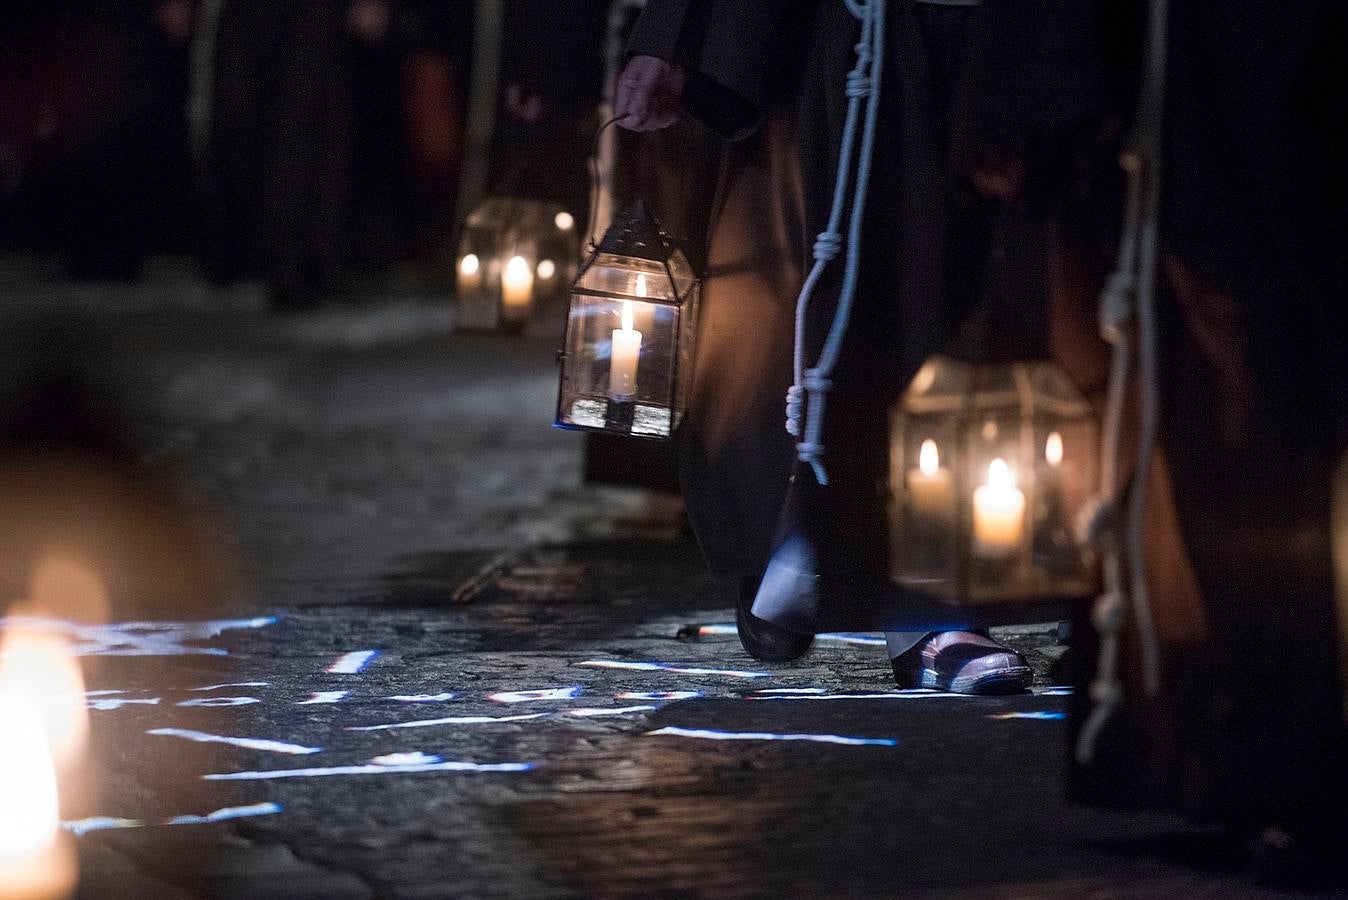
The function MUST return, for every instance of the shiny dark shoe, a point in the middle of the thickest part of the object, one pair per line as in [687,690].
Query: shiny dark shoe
[761,638]
[963,662]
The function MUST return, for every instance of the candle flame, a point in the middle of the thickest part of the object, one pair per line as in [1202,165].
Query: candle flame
[546,269]
[37,667]
[564,220]
[641,286]
[628,317]
[470,264]
[517,271]
[999,475]
[30,813]
[1053,449]
[928,458]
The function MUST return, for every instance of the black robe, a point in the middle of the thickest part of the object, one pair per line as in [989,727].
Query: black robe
[925,245]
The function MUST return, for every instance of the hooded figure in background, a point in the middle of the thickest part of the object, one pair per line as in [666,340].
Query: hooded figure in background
[968,93]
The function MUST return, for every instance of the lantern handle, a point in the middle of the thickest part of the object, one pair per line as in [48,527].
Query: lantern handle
[594,179]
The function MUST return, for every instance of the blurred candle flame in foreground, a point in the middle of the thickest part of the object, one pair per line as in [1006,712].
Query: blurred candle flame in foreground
[36,860]
[37,667]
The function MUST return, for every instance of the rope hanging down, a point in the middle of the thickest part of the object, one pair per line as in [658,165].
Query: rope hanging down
[808,395]
[1129,299]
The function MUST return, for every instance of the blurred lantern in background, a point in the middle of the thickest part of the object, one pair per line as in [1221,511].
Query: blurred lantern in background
[515,256]
[990,464]
[627,357]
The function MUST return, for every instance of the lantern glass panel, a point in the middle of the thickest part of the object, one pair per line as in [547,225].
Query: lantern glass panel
[990,465]
[628,349]
[513,257]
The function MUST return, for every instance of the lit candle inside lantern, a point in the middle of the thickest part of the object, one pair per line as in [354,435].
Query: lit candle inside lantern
[470,273]
[1053,449]
[931,490]
[517,287]
[999,514]
[622,373]
[36,861]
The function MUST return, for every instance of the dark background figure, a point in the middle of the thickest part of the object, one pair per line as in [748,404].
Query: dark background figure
[93,131]
[1250,727]
[409,93]
[551,79]
[276,178]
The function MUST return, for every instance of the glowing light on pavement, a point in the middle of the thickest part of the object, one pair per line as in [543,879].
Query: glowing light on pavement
[566,693]
[143,638]
[202,737]
[371,769]
[657,695]
[414,758]
[792,691]
[323,697]
[451,720]
[109,703]
[214,702]
[710,735]
[1042,714]
[232,684]
[598,713]
[668,667]
[422,698]
[352,663]
[911,694]
[1054,691]
[851,638]
[81,827]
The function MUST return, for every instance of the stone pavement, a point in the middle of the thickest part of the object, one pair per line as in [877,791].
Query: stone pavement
[450,670]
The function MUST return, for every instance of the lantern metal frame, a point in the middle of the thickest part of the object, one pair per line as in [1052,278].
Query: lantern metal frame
[971,580]
[635,234]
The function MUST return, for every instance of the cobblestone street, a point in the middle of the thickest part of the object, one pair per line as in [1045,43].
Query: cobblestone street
[449,669]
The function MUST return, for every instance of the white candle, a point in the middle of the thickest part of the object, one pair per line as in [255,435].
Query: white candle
[622,373]
[931,491]
[999,514]
[517,288]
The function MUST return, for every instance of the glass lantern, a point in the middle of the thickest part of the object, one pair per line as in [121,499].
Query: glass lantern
[627,357]
[990,464]
[514,256]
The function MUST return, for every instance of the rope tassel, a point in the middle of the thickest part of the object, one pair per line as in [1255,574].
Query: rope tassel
[807,398]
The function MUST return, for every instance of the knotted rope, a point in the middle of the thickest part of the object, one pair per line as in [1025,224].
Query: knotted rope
[807,397]
[1129,299]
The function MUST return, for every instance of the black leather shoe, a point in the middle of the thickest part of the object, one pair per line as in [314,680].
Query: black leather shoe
[762,639]
[962,662]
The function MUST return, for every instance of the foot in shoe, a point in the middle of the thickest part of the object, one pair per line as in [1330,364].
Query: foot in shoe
[963,662]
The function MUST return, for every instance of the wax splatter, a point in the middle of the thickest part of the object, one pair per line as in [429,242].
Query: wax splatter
[616,711]
[109,703]
[352,663]
[566,693]
[250,743]
[81,827]
[668,667]
[657,695]
[371,769]
[451,720]
[711,735]
[1041,714]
